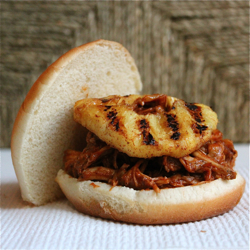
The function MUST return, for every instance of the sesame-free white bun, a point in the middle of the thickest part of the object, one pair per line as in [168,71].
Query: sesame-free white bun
[44,126]
[173,205]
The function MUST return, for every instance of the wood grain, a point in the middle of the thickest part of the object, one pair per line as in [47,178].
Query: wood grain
[194,50]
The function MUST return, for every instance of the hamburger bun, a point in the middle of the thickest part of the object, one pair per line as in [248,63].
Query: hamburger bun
[44,126]
[173,205]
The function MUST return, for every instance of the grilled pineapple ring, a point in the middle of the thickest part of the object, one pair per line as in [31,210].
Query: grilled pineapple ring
[147,126]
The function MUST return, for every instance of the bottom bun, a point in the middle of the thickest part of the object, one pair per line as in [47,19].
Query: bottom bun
[173,205]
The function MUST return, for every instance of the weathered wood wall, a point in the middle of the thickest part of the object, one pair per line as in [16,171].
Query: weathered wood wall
[194,50]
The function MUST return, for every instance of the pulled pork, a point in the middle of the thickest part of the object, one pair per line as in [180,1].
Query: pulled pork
[98,161]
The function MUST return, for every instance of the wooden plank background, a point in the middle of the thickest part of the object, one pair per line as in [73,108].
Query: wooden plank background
[194,50]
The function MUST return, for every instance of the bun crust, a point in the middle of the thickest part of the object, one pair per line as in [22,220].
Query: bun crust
[177,205]
[44,126]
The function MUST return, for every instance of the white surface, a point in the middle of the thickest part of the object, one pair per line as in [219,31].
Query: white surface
[59,226]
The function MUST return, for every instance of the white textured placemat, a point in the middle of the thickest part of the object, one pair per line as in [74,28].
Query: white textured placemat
[59,226]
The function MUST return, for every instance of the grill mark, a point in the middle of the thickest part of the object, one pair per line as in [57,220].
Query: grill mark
[174,125]
[112,115]
[176,136]
[117,126]
[196,113]
[192,106]
[148,139]
[107,108]
[201,128]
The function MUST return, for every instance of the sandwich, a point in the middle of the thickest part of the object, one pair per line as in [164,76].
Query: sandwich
[84,132]
[151,159]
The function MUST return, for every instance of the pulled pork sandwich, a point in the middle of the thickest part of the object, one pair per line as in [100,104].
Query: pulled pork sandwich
[150,159]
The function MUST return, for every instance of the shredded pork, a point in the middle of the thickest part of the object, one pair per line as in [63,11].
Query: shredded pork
[98,161]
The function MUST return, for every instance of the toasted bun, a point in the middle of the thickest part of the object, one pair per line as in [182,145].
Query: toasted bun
[174,205]
[44,126]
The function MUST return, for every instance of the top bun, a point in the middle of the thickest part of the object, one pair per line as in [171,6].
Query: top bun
[44,126]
